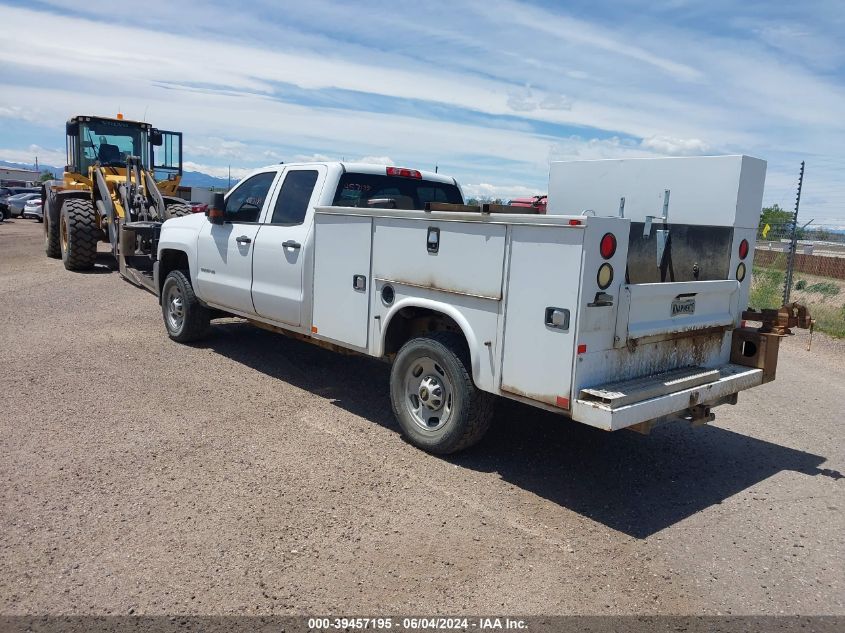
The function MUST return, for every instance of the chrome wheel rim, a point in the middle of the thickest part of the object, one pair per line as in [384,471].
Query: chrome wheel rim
[175,308]
[428,394]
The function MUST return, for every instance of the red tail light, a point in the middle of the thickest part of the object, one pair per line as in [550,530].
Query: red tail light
[743,249]
[404,173]
[607,246]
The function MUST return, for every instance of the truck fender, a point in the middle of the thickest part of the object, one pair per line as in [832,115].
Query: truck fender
[435,306]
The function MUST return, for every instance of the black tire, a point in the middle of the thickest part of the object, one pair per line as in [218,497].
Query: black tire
[78,234]
[176,210]
[51,231]
[2,215]
[470,410]
[195,318]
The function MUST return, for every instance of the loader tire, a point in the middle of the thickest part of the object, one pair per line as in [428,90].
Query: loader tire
[434,398]
[51,230]
[185,318]
[78,234]
[176,210]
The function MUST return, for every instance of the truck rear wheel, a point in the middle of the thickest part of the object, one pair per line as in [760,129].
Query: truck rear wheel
[176,210]
[185,318]
[78,234]
[51,231]
[436,403]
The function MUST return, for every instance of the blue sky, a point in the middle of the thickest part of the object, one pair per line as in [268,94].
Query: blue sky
[490,91]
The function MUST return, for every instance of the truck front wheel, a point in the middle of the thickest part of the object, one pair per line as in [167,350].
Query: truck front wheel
[185,318]
[436,403]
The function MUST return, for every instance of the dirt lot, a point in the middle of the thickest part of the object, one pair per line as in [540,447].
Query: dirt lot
[254,474]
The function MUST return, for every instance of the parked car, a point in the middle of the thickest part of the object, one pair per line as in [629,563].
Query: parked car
[7,192]
[198,207]
[32,209]
[16,203]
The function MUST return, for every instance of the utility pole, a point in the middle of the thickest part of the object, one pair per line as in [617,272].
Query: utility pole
[793,242]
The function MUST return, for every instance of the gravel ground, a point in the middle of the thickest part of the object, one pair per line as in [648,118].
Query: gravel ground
[255,474]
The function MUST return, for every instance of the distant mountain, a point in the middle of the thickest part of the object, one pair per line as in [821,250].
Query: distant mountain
[57,171]
[199,179]
[189,178]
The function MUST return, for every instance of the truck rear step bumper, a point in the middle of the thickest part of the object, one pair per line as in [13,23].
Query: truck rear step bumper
[618,405]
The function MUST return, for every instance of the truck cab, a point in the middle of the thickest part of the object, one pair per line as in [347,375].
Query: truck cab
[258,259]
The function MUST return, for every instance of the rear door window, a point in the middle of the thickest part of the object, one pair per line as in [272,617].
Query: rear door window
[292,203]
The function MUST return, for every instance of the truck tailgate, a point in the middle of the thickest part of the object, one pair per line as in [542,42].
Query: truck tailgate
[659,309]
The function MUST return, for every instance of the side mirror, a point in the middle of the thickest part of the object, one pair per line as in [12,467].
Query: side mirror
[71,129]
[217,210]
[155,138]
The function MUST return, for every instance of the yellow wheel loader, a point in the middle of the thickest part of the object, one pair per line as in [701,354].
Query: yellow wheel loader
[109,193]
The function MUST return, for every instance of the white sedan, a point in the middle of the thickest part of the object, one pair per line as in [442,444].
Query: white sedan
[32,209]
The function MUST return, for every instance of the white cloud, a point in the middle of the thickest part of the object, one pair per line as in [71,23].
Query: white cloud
[376,160]
[45,156]
[506,192]
[217,171]
[625,88]
[675,146]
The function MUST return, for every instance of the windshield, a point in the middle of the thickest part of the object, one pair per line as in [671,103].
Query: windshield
[363,190]
[110,142]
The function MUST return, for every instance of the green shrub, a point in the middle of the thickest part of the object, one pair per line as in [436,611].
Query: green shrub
[826,288]
[801,284]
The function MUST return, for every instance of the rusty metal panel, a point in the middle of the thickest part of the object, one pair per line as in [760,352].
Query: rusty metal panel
[543,281]
[647,310]
[756,349]
[468,258]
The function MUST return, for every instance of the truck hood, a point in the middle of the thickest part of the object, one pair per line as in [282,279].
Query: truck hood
[194,221]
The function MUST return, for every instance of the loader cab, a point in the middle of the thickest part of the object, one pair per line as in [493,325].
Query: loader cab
[106,141]
[109,142]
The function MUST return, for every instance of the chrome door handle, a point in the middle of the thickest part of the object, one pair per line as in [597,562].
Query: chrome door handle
[243,239]
[291,244]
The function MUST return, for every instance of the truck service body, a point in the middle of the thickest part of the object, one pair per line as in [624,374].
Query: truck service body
[616,308]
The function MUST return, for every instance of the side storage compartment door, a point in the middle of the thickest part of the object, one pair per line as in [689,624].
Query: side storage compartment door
[342,246]
[458,257]
[542,303]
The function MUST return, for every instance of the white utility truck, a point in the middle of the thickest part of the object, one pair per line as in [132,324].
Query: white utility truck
[617,309]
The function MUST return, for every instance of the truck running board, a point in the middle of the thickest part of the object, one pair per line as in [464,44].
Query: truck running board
[618,394]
